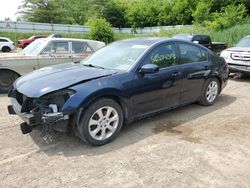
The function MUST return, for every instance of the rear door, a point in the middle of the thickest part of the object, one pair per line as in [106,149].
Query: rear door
[195,65]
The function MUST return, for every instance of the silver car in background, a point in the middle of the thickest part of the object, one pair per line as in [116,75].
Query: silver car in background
[41,53]
[238,57]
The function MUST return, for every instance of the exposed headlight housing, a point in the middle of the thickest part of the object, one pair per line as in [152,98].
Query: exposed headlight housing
[64,92]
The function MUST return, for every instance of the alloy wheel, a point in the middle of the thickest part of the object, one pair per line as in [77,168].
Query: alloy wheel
[103,123]
[212,91]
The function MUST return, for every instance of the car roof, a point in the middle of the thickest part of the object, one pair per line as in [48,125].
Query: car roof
[93,43]
[66,39]
[4,38]
[189,34]
[144,41]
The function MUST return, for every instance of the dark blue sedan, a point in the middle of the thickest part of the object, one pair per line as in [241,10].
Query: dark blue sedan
[122,82]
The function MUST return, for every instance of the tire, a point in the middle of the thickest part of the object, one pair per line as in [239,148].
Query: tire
[6,49]
[7,78]
[210,92]
[104,128]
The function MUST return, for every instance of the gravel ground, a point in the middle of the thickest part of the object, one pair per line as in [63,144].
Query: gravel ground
[193,146]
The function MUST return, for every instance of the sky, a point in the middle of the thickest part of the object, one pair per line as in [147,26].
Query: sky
[8,9]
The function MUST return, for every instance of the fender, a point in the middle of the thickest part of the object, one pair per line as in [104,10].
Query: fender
[4,68]
[89,91]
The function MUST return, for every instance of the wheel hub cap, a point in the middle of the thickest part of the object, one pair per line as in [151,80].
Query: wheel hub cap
[5,81]
[103,123]
[212,91]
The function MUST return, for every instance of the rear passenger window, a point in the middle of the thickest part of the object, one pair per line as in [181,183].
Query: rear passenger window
[78,47]
[60,47]
[192,54]
[163,56]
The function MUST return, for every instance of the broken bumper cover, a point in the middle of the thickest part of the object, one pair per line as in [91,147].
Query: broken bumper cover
[239,68]
[56,121]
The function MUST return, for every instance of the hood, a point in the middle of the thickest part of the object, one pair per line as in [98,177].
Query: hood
[53,78]
[239,49]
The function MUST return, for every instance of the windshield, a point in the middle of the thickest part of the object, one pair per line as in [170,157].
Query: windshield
[245,42]
[33,48]
[119,56]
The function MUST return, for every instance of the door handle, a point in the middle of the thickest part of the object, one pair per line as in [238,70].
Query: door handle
[176,74]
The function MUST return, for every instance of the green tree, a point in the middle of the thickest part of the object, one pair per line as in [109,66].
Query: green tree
[96,8]
[114,12]
[41,11]
[164,17]
[202,12]
[143,13]
[50,11]
[182,11]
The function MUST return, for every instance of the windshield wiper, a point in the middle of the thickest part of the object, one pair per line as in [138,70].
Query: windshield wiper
[95,66]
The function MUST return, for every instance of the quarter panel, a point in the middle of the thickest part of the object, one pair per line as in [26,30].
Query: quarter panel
[21,65]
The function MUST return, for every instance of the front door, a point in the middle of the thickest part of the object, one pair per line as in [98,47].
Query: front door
[159,90]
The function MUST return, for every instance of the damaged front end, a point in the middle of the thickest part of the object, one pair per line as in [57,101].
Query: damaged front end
[45,111]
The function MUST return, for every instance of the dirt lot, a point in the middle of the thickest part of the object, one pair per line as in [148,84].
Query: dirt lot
[193,146]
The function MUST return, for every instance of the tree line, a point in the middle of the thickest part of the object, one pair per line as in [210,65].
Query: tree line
[217,14]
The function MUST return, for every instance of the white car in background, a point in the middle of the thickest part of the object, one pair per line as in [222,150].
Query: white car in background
[6,45]
[42,53]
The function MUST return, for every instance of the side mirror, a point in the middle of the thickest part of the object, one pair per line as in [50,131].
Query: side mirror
[196,42]
[149,69]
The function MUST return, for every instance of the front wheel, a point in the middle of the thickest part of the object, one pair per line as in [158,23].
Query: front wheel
[210,92]
[101,122]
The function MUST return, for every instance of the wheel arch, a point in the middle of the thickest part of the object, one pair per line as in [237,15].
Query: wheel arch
[112,96]
[5,46]
[9,70]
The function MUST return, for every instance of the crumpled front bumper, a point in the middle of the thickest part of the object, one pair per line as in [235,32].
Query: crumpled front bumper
[51,121]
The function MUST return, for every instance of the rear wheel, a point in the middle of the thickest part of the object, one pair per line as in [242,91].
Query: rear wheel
[6,49]
[210,92]
[101,122]
[6,80]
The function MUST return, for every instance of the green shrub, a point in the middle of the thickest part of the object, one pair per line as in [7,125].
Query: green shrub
[230,16]
[101,30]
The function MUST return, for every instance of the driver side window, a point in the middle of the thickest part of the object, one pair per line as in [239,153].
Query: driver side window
[163,56]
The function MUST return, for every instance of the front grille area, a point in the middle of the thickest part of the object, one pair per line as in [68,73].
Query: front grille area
[25,102]
[241,56]
[19,98]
